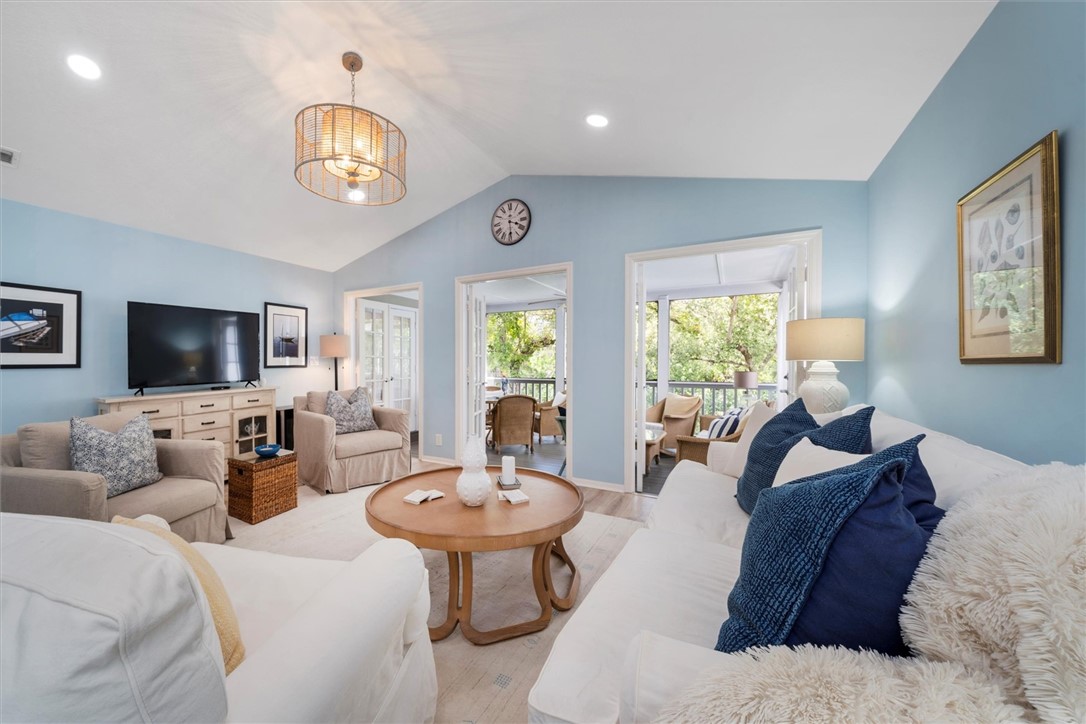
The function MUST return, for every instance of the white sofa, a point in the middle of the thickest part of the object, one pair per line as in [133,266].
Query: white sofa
[649,625]
[106,622]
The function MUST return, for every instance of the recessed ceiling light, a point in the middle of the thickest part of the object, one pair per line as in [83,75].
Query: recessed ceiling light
[356,195]
[84,67]
[596,120]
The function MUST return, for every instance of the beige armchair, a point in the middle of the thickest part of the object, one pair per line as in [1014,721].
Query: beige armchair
[36,478]
[546,419]
[334,463]
[514,416]
[677,414]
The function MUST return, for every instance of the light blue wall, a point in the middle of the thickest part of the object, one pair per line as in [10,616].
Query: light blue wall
[1022,75]
[593,222]
[112,264]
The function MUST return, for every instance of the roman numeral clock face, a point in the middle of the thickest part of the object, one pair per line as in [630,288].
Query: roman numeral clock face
[510,221]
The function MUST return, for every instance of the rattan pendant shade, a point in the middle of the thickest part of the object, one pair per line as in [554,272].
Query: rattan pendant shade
[350,154]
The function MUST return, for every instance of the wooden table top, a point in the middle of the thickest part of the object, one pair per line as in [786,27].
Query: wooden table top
[555,506]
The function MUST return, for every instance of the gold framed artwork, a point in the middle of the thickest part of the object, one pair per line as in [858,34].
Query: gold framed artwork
[1009,262]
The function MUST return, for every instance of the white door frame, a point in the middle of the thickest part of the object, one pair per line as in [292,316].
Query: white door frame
[810,240]
[349,298]
[458,295]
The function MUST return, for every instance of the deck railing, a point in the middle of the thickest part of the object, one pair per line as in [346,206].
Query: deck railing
[541,388]
[716,397]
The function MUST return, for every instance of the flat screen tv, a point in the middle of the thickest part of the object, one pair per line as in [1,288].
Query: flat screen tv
[170,346]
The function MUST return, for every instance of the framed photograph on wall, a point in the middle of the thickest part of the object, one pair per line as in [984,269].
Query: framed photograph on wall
[1009,262]
[286,335]
[39,326]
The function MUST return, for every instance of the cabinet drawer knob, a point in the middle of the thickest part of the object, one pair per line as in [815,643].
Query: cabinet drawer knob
[149,412]
[209,422]
[210,404]
[256,400]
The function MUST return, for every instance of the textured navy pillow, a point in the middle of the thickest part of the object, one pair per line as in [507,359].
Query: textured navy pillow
[848,433]
[827,561]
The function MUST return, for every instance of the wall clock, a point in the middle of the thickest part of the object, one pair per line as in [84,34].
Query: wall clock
[510,221]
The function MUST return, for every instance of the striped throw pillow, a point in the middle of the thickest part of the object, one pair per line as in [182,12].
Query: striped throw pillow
[726,425]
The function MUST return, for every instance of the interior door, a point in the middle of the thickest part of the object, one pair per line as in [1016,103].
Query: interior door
[475,361]
[640,389]
[402,347]
[372,352]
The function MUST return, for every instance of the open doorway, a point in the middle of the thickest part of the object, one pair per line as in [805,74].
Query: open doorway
[386,347]
[705,336]
[513,355]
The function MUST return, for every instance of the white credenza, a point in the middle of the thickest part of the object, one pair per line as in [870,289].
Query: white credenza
[240,419]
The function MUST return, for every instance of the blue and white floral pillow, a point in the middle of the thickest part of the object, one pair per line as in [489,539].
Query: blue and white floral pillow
[127,459]
[353,415]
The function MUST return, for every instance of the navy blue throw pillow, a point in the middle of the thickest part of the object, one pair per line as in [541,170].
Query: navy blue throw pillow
[827,561]
[848,433]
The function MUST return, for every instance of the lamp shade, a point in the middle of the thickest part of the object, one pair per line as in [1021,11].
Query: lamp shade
[746,380]
[829,339]
[335,345]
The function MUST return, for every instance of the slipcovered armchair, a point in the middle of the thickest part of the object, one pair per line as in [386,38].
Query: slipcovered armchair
[36,477]
[675,415]
[546,417]
[514,416]
[332,463]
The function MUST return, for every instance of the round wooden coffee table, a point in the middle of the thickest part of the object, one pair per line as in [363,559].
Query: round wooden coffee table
[555,506]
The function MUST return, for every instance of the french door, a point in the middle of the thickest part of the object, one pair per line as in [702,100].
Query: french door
[474,362]
[385,355]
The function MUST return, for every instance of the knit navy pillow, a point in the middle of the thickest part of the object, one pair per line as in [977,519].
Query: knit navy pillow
[848,433]
[827,561]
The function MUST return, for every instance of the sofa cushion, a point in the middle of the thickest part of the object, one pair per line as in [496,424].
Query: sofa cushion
[46,445]
[351,415]
[849,433]
[317,402]
[171,498]
[121,631]
[127,459]
[827,561]
[363,443]
[759,416]
[222,611]
[918,492]
[671,584]
[698,502]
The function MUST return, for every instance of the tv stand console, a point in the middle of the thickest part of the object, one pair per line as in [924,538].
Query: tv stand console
[239,419]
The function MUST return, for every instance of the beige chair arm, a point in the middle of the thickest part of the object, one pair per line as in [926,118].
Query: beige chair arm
[655,413]
[201,459]
[67,493]
[692,448]
[393,420]
[301,404]
[314,435]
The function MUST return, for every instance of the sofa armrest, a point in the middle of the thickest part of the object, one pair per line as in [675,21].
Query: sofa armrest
[201,459]
[378,667]
[657,669]
[67,493]
[393,420]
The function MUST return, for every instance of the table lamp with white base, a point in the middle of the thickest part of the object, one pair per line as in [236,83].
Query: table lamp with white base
[824,341]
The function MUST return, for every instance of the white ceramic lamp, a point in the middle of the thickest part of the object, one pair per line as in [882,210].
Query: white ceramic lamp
[337,346]
[824,341]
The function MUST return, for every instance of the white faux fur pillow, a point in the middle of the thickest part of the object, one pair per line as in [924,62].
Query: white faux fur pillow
[821,684]
[1002,588]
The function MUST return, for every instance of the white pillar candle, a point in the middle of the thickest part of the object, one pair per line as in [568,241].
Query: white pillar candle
[509,469]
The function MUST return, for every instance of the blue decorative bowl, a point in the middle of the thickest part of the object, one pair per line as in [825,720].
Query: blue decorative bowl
[267,451]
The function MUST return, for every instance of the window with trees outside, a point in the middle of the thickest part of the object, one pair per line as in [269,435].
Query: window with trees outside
[712,337]
[521,344]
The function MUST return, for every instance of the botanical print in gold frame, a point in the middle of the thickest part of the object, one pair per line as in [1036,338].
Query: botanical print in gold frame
[1009,262]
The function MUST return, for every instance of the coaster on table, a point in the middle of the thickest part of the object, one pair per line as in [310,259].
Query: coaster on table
[515,497]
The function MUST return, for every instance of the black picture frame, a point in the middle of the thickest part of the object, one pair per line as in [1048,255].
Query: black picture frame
[40,327]
[286,335]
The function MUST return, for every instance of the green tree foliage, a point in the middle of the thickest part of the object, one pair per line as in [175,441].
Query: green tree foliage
[521,344]
[713,337]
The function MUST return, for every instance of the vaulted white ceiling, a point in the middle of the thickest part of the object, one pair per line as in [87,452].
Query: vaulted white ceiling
[190,130]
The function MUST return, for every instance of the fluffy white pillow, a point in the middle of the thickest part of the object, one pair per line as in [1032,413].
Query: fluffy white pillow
[559,399]
[759,415]
[805,458]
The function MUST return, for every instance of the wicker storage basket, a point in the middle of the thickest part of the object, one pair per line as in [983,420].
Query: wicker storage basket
[262,488]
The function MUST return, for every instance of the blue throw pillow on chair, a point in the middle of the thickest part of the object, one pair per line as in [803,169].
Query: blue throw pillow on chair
[827,559]
[848,433]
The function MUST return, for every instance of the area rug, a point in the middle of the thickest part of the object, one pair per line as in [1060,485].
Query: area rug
[475,683]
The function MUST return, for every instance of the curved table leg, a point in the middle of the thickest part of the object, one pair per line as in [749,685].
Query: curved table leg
[441,631]
[539,559]
[563,603]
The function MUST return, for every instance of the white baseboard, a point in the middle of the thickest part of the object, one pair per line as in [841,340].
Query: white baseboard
[437,461]
[586,483]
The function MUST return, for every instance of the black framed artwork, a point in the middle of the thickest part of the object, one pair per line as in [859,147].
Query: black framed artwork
[39,326]
[286,335]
